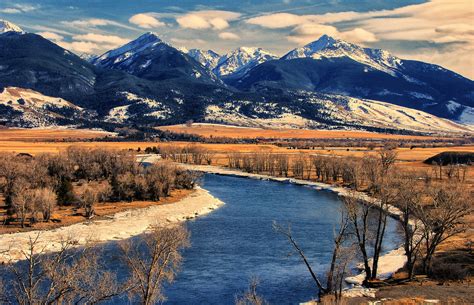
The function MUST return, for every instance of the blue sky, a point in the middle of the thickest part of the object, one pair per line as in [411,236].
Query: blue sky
[438,31]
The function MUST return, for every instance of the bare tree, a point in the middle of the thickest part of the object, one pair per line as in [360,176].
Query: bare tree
[289,235]
[154,260]
[251,297]
[443,217]
[386,196]
[339,263]
[409,197]
[338,266]
[63,277]
[359,212]
[88,197]
[22,201]
[44,202]
[209,156]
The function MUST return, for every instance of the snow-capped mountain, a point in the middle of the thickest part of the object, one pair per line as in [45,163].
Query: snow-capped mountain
[6,26]
[329,47]
[334,66]
[208,59]
[150,58]
[239,61]
[147,82]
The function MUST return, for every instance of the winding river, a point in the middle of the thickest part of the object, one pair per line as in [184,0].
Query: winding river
[236,242]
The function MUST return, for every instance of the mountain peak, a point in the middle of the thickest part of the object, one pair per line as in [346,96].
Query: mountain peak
[207,58]
[145,41]
[323,42]
[329,47]
[327,42]
[241,60]
[7,26]
[149,36]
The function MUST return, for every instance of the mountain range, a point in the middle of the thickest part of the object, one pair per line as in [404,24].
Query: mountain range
[328,83]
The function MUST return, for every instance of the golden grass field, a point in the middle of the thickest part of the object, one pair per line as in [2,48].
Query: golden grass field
[215,130]
[35,141]
[34,135]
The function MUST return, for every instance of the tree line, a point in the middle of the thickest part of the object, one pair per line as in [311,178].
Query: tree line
[34,186]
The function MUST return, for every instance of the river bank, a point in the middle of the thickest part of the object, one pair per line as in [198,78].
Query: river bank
[389,263]
[119,226]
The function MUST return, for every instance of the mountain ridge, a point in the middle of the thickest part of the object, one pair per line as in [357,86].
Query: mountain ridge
[147,82]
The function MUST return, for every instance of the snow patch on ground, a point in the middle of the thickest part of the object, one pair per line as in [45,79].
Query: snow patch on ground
[118,114]
[35,109]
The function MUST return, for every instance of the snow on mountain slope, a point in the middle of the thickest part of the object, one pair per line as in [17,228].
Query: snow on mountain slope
[329,47]
[6,26]
[33,109]
[465,113]
[241,60]
[208,59]
[145,107]
[334,111]
[126,53]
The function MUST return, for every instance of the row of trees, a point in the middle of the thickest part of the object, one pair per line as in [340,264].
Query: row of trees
[191,154]
[33,187]
[351,171]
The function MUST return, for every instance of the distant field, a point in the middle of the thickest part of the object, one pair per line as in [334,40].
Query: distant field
[35,135]
[42,141]
[215,130]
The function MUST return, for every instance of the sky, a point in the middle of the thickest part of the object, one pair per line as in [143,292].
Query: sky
[435,31]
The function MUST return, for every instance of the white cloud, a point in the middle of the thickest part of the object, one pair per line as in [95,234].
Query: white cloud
[229,36]
[457,58]
[94,22]
[10,10]
[219,23]
[19,8]
[278,20]
[80,47]
[51,36]
[90,43]
[88,24]
[188,42]
[191,21]
[211,19]
[358,35]
[98,38]
[146,21]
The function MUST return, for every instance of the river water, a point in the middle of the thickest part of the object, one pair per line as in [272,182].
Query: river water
[237,242]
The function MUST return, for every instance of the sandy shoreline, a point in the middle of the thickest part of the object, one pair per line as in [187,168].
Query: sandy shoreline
[119,226]
[389,263]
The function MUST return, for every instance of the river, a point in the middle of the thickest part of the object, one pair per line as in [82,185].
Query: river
[237,242]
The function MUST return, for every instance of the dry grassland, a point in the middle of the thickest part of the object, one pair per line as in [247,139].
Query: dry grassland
[215,130]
